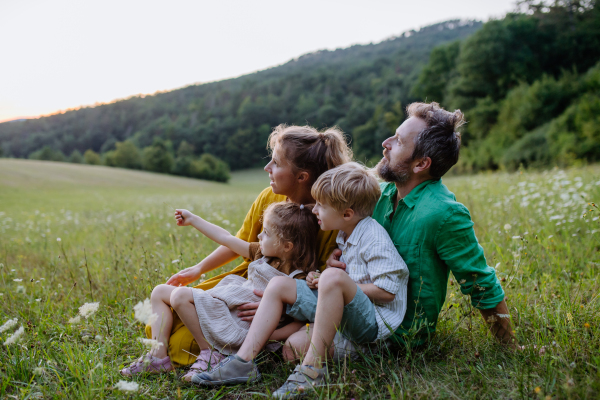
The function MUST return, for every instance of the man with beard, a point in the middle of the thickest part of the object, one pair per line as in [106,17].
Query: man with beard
[432,231]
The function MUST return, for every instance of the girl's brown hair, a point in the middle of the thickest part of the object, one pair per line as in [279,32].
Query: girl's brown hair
[296,224]
[309,150]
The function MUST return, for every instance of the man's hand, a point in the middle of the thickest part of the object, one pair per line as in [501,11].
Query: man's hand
[334,260]
[184,277]
[183,217]
[312,279]
[246,311]
[498,320]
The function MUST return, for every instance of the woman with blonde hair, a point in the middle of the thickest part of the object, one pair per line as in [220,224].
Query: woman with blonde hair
[300,154]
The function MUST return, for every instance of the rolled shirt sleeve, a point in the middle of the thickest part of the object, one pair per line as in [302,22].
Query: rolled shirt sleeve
[458,247]
[386,267]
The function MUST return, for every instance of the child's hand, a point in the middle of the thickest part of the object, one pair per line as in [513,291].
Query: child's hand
[312,279]
[183,217]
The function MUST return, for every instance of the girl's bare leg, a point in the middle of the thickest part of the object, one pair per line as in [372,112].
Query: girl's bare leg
[182,301]
[161,328]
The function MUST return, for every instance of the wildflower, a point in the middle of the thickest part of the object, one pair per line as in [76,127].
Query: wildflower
[21,289]
[586,325]
[127,386]
[58,239]
[75,320]
[151,343]
[537,389]
[15,336]
[17,280]
[143,312]
[571,382]
[99,338]
[175,261]
[572,365]
[507,227]
[85,338]
[462,281]
[516,237]
[39,371]
[503,316]
[88,309]
[8,325]
[569,317]
[38,300]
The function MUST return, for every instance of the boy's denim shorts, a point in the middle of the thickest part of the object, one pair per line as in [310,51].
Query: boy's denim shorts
[358,320]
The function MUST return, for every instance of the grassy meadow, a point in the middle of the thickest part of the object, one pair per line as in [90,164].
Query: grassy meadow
[75,234]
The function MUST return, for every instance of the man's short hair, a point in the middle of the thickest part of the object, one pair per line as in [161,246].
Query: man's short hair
[440,141]
[348,186]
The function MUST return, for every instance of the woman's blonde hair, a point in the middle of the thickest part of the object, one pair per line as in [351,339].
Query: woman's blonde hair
[309,150]
[348,186]
[296,224]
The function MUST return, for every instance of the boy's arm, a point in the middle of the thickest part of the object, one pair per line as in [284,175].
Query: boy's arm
[286,331]
[387,270]
[377,295]
[213,232]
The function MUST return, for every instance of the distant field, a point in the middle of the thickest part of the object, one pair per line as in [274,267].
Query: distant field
[58,221]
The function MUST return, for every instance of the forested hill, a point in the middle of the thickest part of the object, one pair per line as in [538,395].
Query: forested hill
[362,89]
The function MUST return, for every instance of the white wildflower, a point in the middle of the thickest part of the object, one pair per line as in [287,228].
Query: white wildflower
[507,227]
[572,365]
[152,344]
[58,239]
[17,280]
[15,336]
[516,237]
[21,289]
[8,325]
[99,338]
[88,309]
[175,261]
[127,386]
[506,316]
[75,320]
[39,371]
[143,312]
[38,300]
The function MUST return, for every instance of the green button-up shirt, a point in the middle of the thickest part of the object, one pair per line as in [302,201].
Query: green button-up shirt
[434,235]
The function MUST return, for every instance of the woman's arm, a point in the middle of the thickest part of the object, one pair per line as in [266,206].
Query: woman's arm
[221,256]
[213,232]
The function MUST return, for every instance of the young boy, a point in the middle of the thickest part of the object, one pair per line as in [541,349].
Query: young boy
[373,288]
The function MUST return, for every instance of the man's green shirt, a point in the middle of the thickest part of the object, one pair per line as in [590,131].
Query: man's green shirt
[434,235]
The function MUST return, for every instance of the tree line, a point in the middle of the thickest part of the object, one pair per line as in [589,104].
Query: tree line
[356,88]
[529,85]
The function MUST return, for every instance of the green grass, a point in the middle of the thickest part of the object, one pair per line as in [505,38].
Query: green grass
[118,240]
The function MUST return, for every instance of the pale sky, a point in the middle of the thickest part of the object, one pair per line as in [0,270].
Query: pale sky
[62,54]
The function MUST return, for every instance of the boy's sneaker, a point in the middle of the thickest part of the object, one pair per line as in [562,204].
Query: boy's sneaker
[230,371]
[301,382]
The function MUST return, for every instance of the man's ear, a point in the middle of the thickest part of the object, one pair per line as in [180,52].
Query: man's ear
[422,165]
[288,246]
[303,177]
[348,213]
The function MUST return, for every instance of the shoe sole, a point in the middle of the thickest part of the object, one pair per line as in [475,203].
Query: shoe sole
[232,381]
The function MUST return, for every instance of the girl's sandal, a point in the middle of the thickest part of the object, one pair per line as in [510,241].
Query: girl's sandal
[207,359]
[148,364]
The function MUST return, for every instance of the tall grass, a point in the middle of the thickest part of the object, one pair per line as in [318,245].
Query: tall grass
[118,240]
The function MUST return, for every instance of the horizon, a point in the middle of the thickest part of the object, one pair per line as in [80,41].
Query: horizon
[85,55]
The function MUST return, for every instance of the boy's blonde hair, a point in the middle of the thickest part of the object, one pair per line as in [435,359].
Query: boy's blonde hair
[348,186]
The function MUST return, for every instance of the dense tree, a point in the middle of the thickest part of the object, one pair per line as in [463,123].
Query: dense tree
[76,157]
[158,158]
[91,157]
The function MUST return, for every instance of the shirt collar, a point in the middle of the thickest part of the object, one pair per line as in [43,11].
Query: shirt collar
[413,197]
[357,233]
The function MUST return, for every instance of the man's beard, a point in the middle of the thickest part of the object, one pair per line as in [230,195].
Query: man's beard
[399,173]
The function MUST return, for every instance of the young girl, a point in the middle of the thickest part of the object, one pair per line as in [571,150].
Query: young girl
[287,247]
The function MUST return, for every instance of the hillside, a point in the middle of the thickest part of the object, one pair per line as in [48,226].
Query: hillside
[231,119]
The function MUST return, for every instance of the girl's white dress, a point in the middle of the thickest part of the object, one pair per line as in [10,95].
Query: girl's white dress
[217,307]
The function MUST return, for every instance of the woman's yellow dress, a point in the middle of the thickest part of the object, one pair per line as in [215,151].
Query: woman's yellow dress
[182,345]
